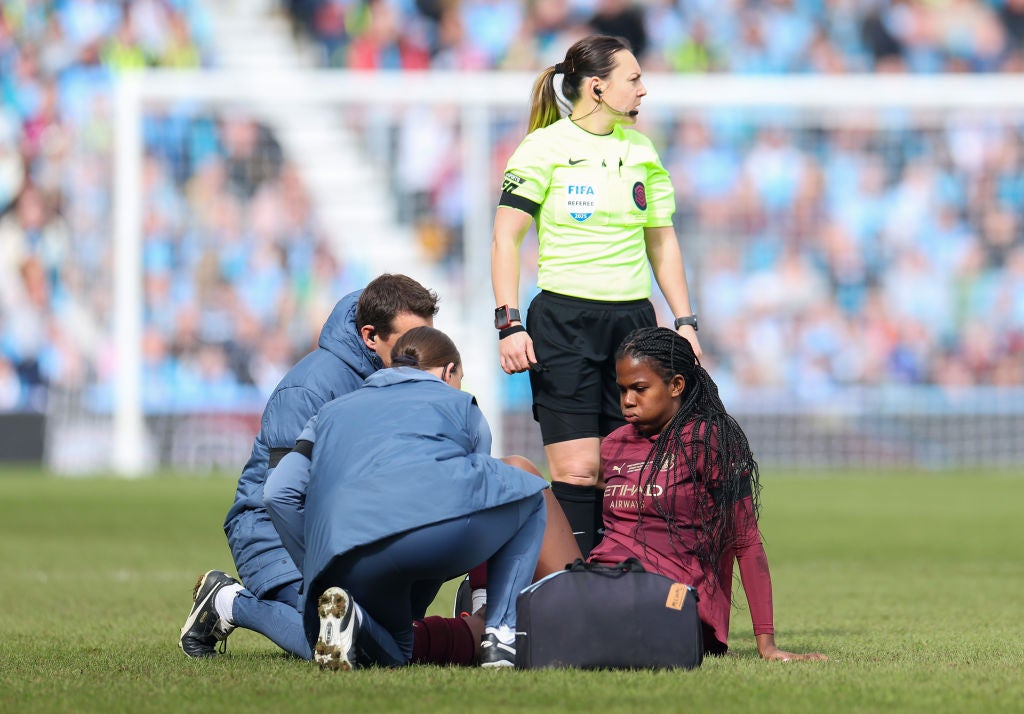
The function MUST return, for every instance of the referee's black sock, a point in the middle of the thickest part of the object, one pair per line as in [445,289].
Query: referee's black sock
[580,503]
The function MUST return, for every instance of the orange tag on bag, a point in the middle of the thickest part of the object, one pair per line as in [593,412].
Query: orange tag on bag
[676,596]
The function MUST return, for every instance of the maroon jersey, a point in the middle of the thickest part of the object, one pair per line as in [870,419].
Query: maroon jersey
[623,453]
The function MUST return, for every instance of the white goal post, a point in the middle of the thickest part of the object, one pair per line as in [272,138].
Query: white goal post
[477,95]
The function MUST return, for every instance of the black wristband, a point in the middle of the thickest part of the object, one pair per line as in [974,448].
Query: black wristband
[690,320]
[502,334]
[304,447]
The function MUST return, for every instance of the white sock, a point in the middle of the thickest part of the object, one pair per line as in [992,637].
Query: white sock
[479,598]
[505,634]
[224,601]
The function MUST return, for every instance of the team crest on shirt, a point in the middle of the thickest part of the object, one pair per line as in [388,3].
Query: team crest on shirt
[640,195]
[580,200]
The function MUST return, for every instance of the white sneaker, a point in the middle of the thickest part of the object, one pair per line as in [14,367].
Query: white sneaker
[335,648]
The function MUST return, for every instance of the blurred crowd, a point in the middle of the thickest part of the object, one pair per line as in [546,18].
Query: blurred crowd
[736,36]
[237,276]
[821,256]
[840,256]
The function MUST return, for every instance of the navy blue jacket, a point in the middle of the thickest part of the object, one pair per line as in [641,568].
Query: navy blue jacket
[338,366]
[404,451]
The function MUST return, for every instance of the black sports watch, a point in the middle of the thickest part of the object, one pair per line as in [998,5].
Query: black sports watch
[690,320]
[504,316]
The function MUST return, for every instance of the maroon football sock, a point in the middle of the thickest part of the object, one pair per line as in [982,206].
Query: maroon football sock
[478,577]
[443,640]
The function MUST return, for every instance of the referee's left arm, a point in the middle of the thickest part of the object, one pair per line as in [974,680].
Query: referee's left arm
[670,272]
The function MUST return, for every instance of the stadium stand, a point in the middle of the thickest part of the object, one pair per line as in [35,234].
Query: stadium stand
[238,274]
[236,267]
[915,235]
[873,272]
[827,257]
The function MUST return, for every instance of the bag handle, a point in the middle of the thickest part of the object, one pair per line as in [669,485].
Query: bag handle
[629,565]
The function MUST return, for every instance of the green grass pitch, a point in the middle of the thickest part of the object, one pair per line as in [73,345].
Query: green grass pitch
[912,583]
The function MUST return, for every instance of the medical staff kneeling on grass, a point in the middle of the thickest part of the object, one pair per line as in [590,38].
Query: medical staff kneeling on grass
[403,495]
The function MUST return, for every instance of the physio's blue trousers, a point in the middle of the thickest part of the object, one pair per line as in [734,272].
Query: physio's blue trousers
[394,580]
[276,617]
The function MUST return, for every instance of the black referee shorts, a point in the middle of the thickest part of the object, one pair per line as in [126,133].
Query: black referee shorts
[574,391]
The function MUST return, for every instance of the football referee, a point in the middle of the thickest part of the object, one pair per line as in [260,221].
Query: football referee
[603,204]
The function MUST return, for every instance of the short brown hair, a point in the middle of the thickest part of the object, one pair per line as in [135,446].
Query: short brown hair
[389,295]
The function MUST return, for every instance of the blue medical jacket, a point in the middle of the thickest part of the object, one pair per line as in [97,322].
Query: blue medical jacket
[402,452]
[338,366]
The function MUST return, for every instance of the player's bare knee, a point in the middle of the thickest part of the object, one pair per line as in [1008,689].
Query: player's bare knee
[521,462]
[578,477]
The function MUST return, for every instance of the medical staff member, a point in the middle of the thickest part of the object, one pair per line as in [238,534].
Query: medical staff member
[403,495]
[354,343]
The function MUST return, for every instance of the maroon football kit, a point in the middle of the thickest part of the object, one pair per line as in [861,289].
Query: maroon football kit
[623,453]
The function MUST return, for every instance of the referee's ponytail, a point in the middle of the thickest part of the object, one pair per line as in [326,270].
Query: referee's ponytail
[593,56]
[544,103]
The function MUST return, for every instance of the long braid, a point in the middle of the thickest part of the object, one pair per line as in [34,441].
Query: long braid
[715,436]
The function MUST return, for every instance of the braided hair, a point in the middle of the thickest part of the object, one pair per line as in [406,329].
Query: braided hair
[714,434]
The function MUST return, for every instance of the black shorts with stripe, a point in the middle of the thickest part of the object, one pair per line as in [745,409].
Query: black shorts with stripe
[574,391]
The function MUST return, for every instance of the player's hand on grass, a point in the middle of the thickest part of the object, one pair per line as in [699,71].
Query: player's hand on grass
[767,648]
[784,656]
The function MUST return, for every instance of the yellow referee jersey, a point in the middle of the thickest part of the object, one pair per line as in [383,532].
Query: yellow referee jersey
[592,196]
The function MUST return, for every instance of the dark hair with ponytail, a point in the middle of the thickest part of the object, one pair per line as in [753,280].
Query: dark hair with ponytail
[424,348]
[593,56]
[701,427]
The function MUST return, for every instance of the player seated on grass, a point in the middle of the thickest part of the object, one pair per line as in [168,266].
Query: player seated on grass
[681,491]
[355,342]
[403,495]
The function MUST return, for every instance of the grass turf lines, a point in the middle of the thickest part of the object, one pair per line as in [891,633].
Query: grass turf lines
[911,583]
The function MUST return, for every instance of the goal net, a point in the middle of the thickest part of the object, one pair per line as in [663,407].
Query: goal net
[853,245]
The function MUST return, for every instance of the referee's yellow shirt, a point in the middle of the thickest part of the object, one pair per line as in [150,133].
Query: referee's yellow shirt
[592,196]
